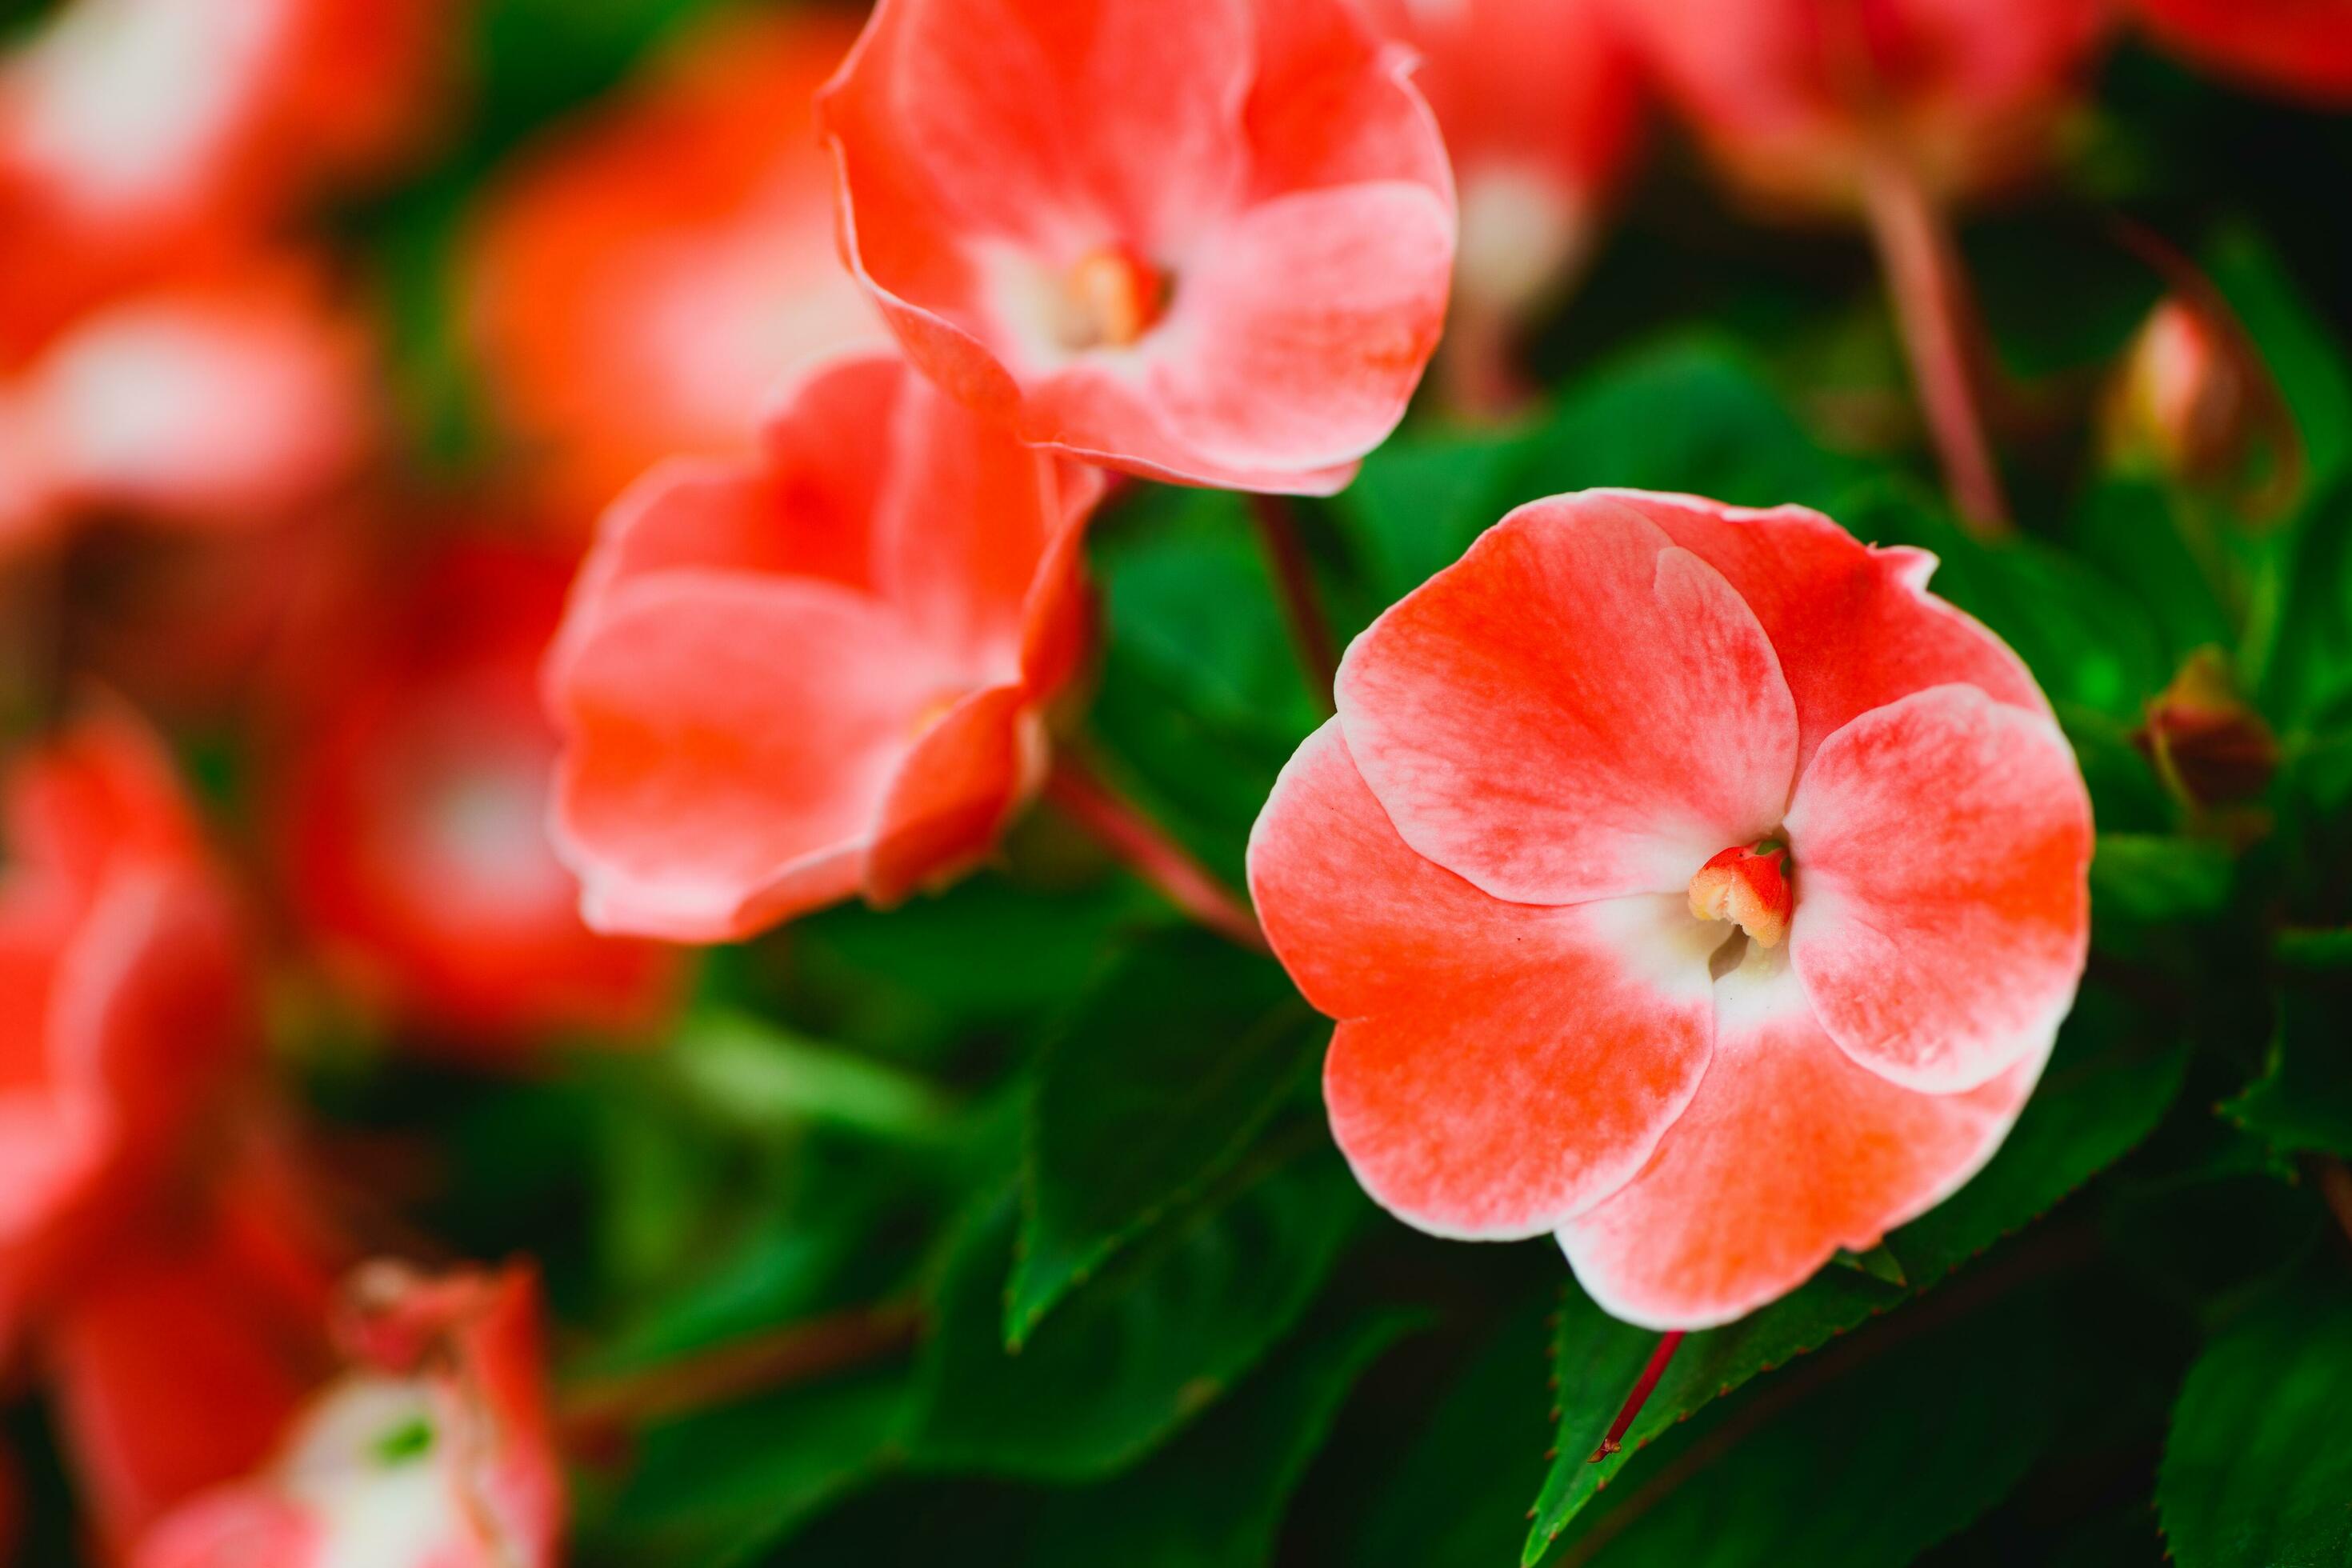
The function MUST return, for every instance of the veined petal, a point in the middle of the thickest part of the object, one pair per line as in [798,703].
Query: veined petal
[1497,1066]
[1788,1152]
[1578,709]
[1942,845]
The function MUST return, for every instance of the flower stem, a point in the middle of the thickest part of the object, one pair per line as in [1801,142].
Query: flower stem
[1293,579]
[1936,313]
[2335,1184]
[596,1413]
[1668,1344]
[1141,843]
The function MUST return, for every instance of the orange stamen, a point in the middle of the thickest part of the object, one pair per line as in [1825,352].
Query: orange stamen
[1748,884]
[1117,296]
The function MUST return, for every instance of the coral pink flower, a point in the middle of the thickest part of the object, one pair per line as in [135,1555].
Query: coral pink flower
[1206,243]
[124,994]
[644,278]
[1794,98]
[1541,102]
[131,124]
[785,681]
[2302,49]
[214,403]
[410,812]
[1502,868]
[435,1450]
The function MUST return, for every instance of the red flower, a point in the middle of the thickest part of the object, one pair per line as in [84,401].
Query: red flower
[2302,49]
[214,402]
[124,995]
[131,129]
[785,681]
[411,813]
[1206,243]
[1488,868]
[434,1450]
[1794,98]
[644,278]
[1541,102]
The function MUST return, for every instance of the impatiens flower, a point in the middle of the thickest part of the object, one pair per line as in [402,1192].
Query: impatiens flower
[216,403]
[129,125]
[1540,102]
[1686,881]
[124,994]
[644,278]
[822,672]
[1795,98]
[410,809]
[434,1450]
[2301,48]
[1203,242]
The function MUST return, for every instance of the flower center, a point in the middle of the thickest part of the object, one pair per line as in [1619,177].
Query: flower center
[1748,884]
[1115,296]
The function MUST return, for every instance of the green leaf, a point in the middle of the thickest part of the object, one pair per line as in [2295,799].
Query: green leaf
[1458,1496]
[1866,1457]
[2147,889]
[721,1488]
[2109,1080]
[2295,343]
[1136,1353]
[756,1075]
[1171,1065]
[2133,531]
[2256,1473]
[1215,1497]
[2303,1102]
[2307,679]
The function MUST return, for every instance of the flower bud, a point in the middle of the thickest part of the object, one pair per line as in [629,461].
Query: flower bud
[2181,405]
[2204,742]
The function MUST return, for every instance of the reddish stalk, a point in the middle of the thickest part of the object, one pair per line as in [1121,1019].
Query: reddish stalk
[597,1412]
[2335,1184]
[1936,313]
[1148,852]
[1293,579]
[1668,1344]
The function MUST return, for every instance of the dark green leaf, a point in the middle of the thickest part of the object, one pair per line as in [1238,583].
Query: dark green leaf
[1170,1065]
[2303,1102]
[2256,1472]
[1140,1350]
[1215,1497]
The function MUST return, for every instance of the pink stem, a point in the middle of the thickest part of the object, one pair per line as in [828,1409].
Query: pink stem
[1668,1344]
[1933,310]
[1141,844]
[1294,577]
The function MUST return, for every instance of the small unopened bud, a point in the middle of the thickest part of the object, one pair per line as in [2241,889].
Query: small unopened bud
[1748,885]
[2208,747]
[2182,405]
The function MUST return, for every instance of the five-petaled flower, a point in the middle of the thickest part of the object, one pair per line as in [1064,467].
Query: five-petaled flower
[1796,98]
[820,672]
[1206,243]
[1503,868]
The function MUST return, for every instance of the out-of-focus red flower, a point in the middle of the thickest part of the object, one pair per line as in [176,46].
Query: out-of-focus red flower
[2301,48]
[434,1450]
[124,992]
[1206,242]
[211,403]
[642,280]
[1795,98]
[411,812]
[1541,102]
[133,130]
[178,1359]
[1498,868]
[785,681]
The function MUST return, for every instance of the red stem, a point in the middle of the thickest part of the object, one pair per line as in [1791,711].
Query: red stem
[1935,310]
[1146,849]
[1294,578]
[2335,1183]
[1668,1344]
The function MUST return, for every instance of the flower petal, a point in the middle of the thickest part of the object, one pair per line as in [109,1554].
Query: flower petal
[957,786]
[1820,595]
[1942,847]
[1576,708]
[1788,1152]
[1296,340]
[729,740]
[1497,1066]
